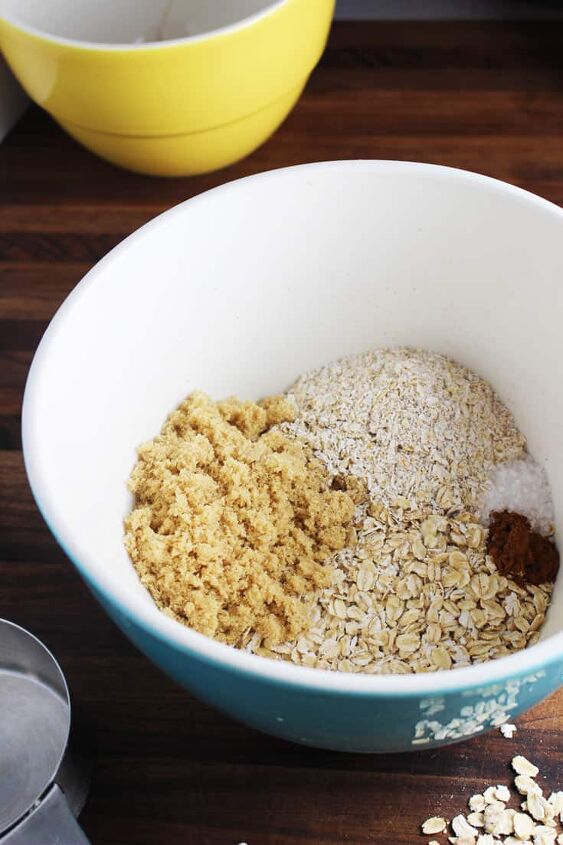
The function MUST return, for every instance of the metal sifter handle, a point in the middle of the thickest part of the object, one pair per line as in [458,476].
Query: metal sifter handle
[50,823]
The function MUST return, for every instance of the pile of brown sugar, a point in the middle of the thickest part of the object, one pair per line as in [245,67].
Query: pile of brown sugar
[233,521]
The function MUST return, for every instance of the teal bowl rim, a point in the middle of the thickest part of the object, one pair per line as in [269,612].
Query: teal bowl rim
[153,622]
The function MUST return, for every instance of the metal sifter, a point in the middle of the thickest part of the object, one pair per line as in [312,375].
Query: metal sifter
[43,783]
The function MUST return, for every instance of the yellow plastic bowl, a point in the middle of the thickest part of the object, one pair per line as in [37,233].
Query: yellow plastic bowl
[176,107]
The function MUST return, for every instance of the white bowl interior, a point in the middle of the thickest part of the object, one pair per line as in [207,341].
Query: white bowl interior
[243,288]
[130,21]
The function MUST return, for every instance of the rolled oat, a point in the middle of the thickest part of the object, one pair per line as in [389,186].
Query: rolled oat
[418,592]
[435,824]
[538,821]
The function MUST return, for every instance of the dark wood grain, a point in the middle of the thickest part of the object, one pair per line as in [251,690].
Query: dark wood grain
[487,97]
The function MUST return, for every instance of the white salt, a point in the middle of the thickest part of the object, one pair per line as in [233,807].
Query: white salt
[521,487]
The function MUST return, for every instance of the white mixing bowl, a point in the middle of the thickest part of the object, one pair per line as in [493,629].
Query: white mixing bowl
[240,290]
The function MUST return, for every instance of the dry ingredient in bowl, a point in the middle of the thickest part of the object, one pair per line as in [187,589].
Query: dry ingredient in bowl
[418,592]
[234,520]
[520,486]
[525,555]
[345,525]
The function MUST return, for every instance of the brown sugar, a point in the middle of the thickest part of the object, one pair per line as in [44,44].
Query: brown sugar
[233,520]
[520,553]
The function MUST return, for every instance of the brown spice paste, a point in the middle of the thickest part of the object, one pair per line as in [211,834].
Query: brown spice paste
[520,553]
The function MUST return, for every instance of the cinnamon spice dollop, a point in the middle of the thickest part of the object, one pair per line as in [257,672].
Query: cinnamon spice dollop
[520,553]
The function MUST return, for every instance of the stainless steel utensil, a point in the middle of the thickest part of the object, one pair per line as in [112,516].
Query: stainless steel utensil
[43,784]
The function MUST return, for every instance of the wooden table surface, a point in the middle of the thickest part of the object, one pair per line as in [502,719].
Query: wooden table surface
[168,770]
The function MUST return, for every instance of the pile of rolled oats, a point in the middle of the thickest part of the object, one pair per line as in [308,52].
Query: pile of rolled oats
[417,592]
[491,822]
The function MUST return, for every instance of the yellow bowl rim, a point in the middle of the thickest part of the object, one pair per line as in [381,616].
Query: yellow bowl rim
[229,29]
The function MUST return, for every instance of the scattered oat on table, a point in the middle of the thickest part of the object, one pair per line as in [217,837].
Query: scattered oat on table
[491,822]
[507,730]
[435,824]
[523,767]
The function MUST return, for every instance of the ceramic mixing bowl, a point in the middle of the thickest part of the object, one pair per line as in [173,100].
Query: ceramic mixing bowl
[180,106]
[240,290]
